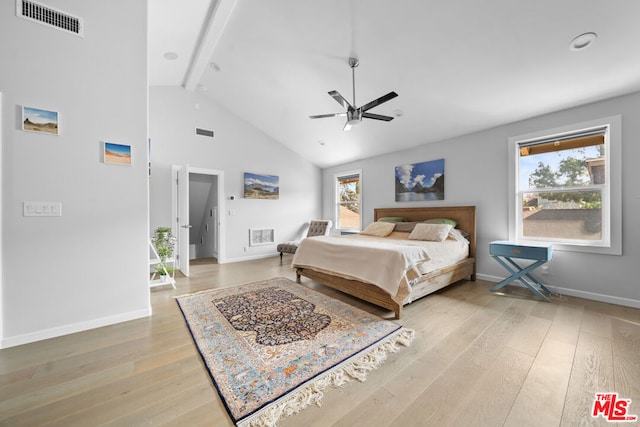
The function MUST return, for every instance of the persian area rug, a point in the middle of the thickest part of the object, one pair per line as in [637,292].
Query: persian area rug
[273,346]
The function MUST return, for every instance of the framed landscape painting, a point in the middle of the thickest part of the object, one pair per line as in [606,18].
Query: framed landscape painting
[420,181]
[261,186]
[117,154]
[37,120]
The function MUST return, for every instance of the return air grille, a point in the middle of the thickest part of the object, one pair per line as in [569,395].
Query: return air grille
[262,236]
[204,132]
[50,17]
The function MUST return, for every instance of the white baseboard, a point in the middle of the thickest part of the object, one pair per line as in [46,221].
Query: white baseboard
[249,258]
[71,329]
[627,302]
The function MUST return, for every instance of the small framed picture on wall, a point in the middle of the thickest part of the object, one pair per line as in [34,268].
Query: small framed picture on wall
[41,121]
[117,154]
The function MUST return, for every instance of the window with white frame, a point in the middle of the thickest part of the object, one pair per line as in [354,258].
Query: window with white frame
[348,200]
[564,188]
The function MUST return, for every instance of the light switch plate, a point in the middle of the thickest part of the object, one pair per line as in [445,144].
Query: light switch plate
[42,208]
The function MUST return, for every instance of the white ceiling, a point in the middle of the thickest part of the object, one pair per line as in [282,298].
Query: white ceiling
[458,66]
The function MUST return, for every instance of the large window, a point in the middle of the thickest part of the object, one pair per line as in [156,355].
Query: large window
[348,201]
[563,189]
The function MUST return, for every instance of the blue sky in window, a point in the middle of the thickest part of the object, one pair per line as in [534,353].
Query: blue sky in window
[528,164]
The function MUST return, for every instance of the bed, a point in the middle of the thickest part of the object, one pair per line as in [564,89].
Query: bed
[421,279]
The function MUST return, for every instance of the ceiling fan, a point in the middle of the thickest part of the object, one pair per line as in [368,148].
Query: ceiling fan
[356,114]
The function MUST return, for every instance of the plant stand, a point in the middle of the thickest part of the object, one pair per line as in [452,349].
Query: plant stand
[155,261]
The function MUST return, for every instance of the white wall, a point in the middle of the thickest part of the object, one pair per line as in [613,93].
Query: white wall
[236,148]
[476,174]
[87,268]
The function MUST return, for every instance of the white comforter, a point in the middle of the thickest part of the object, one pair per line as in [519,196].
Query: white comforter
[382,261]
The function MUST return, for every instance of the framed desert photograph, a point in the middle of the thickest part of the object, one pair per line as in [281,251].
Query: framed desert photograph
[37,120]
[420,181]
[261,186]
[117,154]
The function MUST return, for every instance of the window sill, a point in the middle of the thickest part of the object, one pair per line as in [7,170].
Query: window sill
[567,247]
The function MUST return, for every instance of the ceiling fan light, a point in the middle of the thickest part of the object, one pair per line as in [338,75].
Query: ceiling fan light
[353,118]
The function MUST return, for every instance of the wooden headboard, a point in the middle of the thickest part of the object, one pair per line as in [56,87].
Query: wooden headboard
[464,215]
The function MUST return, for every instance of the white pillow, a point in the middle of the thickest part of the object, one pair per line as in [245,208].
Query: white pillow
[459,235]
[379,229]
[430,232]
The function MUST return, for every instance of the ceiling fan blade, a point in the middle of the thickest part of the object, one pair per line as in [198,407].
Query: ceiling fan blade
[336,95]
[322,116]
[378,101]
[377,117]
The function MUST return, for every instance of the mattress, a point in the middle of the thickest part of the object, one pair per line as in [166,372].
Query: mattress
[391,263]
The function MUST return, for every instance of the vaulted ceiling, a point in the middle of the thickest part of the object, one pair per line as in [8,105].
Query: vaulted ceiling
[458,66]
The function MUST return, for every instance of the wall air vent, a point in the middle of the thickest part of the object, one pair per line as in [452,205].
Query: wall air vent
[204,132]
[49,16]
[261,236]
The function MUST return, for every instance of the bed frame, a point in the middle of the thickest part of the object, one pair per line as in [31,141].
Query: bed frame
[429,283]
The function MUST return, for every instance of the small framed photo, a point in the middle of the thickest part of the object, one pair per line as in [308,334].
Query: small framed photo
[37,120]
[117,154]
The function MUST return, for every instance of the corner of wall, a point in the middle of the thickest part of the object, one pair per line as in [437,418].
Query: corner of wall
[1,223]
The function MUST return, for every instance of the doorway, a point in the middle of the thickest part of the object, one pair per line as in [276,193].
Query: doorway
[203,216]
[196,202]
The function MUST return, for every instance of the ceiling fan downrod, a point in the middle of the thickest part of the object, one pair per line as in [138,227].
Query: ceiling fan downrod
[353,63]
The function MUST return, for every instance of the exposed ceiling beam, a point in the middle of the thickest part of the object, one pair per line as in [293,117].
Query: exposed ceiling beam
[214,27]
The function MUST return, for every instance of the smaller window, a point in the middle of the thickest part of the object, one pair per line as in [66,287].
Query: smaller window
[348,202]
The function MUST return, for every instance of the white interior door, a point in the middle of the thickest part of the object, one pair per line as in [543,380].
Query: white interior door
[183,220]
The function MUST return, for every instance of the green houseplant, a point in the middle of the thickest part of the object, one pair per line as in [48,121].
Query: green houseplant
[165,272]
[164,242]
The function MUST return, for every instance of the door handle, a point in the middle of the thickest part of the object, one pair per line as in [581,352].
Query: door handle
[187,226]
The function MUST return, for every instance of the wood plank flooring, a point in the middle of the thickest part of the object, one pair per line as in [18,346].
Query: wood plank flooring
[478,359]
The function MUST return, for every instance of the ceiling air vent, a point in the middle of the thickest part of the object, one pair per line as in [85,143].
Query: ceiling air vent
[49,16]
[204,132]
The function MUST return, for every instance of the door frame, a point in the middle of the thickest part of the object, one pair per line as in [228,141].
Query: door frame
[221,205]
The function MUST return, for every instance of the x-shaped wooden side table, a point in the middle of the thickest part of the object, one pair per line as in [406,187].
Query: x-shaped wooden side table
[505,252]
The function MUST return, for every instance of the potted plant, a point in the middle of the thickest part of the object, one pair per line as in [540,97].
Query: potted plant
[165,272]
[164,242]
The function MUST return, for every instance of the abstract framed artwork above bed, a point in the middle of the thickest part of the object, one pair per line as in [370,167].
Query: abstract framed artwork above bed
[353,275]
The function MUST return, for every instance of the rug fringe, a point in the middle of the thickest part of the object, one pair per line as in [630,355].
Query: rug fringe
[312,393]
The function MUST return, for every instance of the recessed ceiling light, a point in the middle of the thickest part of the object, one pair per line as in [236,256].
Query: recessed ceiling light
[321,142]
[170,56]
[582,41]
[214,66]
[398,113]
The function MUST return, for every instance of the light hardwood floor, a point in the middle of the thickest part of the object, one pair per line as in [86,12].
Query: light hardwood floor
[478,359]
